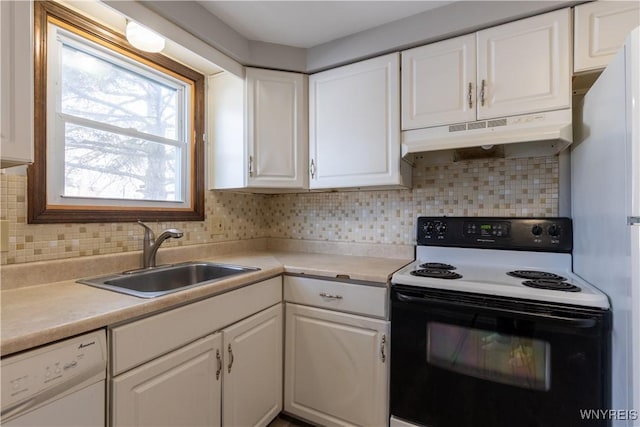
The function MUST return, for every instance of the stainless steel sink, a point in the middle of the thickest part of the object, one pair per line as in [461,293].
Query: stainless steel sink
[158,281]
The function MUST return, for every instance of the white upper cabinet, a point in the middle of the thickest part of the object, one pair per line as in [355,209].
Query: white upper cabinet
[258,131]
[354,125]
[276,128]
[525,66]
[16,83]
[516,68]
[600,29]
[438,83]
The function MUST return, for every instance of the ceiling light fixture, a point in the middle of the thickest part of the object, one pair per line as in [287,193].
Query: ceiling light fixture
[143,38]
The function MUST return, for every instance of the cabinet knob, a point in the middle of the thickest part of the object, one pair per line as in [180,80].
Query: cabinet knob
[312,169]
[250,165]
[382,347]
[470,95]
[482,87]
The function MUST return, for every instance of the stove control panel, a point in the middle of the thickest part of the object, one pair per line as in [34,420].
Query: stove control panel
[488,229]
[532,234]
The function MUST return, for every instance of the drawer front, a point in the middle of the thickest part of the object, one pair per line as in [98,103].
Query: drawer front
[341,296]
[137,342]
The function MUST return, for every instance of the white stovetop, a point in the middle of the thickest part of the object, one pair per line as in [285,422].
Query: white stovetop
[484,271]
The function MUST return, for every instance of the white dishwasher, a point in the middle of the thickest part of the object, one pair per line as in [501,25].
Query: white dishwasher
[61,384]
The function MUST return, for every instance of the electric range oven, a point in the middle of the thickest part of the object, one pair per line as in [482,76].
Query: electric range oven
[489,327]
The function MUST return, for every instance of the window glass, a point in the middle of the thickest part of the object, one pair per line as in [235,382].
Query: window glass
[107,165]
[106,90]
[121,131]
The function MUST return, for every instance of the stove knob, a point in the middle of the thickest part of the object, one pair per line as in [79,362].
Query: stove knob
[536,230]
[554,230]
[428,228]
[441,227]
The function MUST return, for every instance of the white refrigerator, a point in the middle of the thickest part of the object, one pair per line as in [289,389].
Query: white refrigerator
[605,206]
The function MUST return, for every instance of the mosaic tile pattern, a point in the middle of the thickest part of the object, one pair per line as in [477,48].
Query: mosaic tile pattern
[39,242]
[514,187]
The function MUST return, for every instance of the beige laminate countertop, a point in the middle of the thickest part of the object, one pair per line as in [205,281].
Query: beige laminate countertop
[35,315]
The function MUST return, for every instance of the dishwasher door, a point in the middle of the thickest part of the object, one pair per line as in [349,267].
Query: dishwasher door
[62,384]
[84,408]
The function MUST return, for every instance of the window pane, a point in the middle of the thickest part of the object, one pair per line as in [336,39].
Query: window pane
[99,90]
[107,165]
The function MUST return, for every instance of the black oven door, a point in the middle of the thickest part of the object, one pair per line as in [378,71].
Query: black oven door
[465,360]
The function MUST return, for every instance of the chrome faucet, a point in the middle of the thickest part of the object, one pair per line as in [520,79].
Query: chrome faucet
[150,244]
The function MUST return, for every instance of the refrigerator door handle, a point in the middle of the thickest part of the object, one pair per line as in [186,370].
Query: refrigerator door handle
[633,220]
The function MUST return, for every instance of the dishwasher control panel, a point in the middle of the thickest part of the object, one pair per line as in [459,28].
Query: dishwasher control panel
[53,370]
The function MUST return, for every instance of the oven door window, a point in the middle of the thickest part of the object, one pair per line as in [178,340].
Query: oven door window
[489,355]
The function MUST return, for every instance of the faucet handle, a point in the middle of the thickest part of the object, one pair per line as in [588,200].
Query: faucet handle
[148,232]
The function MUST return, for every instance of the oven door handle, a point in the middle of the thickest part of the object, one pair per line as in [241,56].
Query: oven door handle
[584,323]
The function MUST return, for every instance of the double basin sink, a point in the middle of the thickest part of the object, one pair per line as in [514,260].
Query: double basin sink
[158,281]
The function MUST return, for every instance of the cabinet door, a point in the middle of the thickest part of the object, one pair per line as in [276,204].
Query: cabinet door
[276,128]
[16,83]
[336,367]
[354,124]
[524,66]
[253,370]
[439,83]
[226,150]
[179,389]
[600,29]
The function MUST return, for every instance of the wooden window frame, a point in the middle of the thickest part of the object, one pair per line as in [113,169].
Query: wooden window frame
[39,211]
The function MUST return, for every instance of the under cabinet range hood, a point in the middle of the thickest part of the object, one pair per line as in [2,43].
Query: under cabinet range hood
[538,134]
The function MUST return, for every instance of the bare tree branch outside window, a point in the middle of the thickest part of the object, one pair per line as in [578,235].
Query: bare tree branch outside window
[106,164]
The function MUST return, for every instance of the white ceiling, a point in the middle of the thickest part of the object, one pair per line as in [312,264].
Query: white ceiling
[310,23]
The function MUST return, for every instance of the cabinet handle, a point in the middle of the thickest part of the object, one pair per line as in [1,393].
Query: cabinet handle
[230,358]
[482,93]
[312,169]
[330,296]
[382,346]
[219,359]
[470,95]
[250,165]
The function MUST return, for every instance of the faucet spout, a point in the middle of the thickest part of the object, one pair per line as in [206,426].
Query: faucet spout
[150,244]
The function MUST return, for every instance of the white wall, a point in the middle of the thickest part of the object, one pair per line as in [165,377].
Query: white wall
[433,25]
[436,24]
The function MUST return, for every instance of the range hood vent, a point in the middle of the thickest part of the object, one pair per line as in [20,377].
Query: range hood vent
[539,134]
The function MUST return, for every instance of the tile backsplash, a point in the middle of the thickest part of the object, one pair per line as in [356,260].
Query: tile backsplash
[494,187]
[513,187]
[244,214]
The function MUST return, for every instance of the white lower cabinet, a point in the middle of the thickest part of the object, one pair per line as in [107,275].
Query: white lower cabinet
[182,388]
[162,376]
[336,367]
[252,390]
